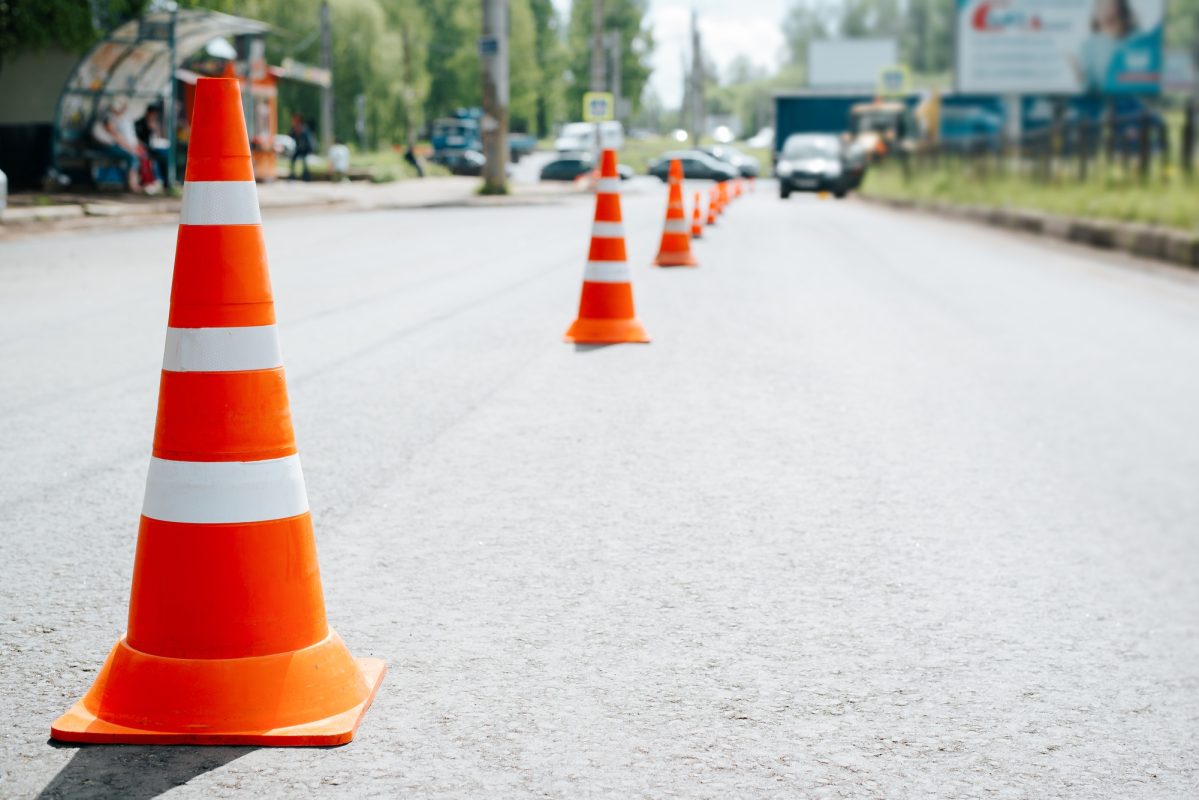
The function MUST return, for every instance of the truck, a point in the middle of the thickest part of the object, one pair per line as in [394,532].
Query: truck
[460,131]
[876,126]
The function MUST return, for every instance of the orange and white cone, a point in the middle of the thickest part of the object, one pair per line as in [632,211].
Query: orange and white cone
[675,249]
[713,206]
[606,313]
[697,219]
[227,640]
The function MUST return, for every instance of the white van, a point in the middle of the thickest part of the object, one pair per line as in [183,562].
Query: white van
[580,136]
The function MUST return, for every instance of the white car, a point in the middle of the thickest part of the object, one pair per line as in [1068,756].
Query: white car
[576,136]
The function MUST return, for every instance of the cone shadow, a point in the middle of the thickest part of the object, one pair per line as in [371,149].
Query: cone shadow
[587,348]
[133,772]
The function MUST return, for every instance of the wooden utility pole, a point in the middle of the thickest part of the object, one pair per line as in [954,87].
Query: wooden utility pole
[493,52]
[597,83]
[698,102]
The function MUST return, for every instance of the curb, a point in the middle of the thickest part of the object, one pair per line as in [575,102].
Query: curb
[1145,241]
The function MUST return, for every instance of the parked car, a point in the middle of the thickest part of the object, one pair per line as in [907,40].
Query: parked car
[747,166]
[697,165]
[813,162]
[569,166]
[460,162]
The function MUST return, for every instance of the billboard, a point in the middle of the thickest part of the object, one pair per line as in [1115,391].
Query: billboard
[850,64]
[1059,46]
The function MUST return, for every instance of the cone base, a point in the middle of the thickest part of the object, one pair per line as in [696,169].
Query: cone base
[675,260]
[312,697]
[607,331]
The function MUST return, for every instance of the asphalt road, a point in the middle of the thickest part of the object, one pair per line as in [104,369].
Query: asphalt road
[892,507]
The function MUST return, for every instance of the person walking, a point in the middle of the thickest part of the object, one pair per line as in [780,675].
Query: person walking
[302,136]
[410,157]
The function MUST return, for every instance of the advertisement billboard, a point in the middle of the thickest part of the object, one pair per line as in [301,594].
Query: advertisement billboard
[1059,46]
[849,64]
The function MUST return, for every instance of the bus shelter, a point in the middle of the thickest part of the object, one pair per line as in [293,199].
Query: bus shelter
[154,61]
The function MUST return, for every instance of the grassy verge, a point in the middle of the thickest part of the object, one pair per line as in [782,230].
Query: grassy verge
[1163,199]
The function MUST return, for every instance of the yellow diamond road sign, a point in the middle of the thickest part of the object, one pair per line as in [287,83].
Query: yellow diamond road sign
[598,106]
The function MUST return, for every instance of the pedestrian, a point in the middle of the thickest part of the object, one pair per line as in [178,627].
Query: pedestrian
[410,157]
[302,135]
[108,133]
[150,133]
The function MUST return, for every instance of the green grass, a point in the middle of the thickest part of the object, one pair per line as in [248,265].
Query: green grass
[1164,198]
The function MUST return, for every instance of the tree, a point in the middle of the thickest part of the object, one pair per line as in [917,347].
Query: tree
[70,24]
[637,42]
[805,21]
[550,50]
[927,42]
[524,70]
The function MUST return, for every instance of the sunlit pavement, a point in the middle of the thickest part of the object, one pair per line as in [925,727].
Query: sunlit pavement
[891,507]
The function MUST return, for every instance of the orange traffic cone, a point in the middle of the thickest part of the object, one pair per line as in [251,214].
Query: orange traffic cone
[606,313]
[675,250]
[713,206]
[227,640]
[697,220]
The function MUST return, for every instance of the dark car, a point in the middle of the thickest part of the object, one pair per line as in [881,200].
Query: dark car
[814,162]
[697,165]
[569,166]
[747,166]
[460,162]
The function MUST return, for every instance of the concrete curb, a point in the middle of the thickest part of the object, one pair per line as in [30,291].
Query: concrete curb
[36,220]
[1146,241]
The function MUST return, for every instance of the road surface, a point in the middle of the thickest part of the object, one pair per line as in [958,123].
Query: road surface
[892,507]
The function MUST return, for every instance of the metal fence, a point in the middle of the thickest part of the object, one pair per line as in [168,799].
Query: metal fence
[1143,146]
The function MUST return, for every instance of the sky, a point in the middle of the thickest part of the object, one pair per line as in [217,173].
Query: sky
[728,28]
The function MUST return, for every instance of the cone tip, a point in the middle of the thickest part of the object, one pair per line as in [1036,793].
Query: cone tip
[608,164]
[219,148]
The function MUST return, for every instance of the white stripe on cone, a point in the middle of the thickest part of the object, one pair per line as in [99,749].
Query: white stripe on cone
[676,226]
[607,230]
[211,492]
[607,272]
[220,203]
[221,349]
[608,186]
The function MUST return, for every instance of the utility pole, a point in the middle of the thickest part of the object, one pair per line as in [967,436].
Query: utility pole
[615,53]
[326,91]
[698,104]
[597,63]
[493,52]
[685,108]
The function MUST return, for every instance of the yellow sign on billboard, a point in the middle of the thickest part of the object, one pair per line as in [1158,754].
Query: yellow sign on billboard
[598,107]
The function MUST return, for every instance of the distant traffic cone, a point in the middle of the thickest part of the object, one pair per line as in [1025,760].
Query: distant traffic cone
[713,210]
[606,313]
[697,220]
[227,640]
[675,249]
